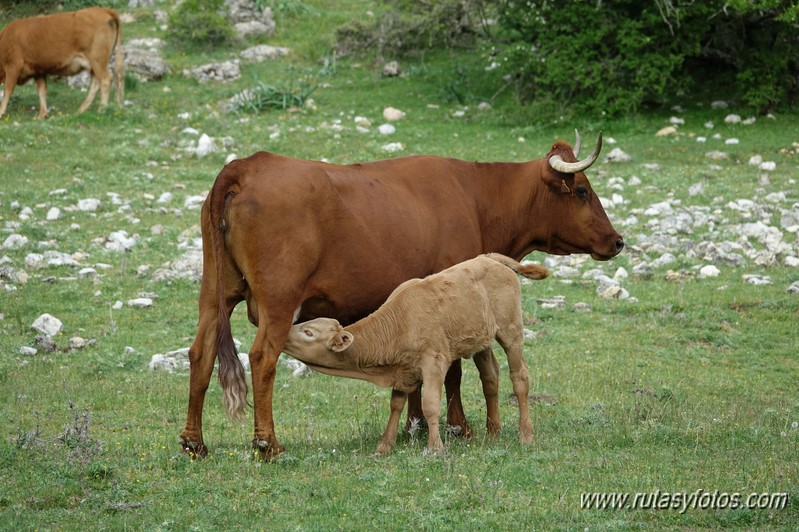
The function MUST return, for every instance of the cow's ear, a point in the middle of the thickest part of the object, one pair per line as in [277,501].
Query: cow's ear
[341,341]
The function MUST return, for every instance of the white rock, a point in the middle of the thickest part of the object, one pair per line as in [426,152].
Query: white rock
[666,131]
[663,260]
[140,302]
[731,141]
[88,204]
[53,214]
[205,146]
[166,197]
[718,104]
[732,119]
[27,351]
[617,155]
[709,125]
[768,166]
[87,273]
[581,306]
[190,131]
[117,305]
[120,241]
[676,120]
[230,158]
[47,324]
[716,155]
[708,271]
[386,129]
[793,288]
[393,114]
[659,209]
[756,280]
[793,262]
[393,147]
[755,160]
[76,342]
[696,189]
[621,273]
[15,241]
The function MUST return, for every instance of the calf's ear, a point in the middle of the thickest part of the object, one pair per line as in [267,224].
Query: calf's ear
[340,341]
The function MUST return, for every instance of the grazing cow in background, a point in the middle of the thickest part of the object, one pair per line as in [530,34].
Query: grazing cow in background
[301,239]
[424,326]
[62,44]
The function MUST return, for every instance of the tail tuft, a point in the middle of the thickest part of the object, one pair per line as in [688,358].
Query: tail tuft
[531,271]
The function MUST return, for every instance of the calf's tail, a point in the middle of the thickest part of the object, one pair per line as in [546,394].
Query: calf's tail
[531,271]
[231,370]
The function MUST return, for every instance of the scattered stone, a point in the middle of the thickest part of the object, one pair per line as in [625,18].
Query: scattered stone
[793,288]
[47,324]
[386,129]
[76,342]
[581,307]
[616,155]
[45,343]
[88,204]
[708,271]
[54,213]
[393,147]
[140,302]
[732,119]
[87,273]
[27,351]
[392,69]
[393,114]
[143,59]
[666,131]
[262,52]
[554,302]
[716,155]
[225,71]
[15,241]
[756,280]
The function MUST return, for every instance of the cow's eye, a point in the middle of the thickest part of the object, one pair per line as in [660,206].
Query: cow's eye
[308,333]
[581,192]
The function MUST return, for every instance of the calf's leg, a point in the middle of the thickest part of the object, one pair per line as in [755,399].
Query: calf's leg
[455,415]
[513,344]
[432,381]
[390,434]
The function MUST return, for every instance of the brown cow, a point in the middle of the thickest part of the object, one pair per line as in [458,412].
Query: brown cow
[424,326]
[62,45]
[303,239]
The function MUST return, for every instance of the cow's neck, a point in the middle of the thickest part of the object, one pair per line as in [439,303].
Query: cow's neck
[512,214]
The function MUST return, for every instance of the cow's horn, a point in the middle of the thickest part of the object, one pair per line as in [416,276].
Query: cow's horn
[557,163]
[577,143]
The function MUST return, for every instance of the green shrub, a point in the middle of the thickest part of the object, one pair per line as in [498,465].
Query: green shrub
[281,95]
[200,24]
[615,57]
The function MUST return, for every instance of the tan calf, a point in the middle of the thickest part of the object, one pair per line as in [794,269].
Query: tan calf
[423,327]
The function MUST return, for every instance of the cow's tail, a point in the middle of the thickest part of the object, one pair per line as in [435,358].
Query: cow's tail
[119,66]
[231,370]
[531,271]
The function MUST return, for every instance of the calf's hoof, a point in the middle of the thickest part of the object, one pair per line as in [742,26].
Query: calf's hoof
[383,449]
[267,449]
[194,449]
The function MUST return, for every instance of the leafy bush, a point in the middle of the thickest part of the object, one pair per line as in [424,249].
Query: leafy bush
[200,24]
[411,26]
[615,57]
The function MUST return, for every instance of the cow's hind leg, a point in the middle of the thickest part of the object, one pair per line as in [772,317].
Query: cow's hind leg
[488,367]
[274,323]
[94,85]
[512,341]
[41,90]
[390,434]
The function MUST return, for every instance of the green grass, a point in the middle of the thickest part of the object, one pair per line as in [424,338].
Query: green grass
[692,387]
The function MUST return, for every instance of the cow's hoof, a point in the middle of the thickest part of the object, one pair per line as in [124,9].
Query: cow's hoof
[193,448]
[267,450]
[460,431]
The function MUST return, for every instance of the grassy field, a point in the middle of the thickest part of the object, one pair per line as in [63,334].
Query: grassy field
[691,387]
